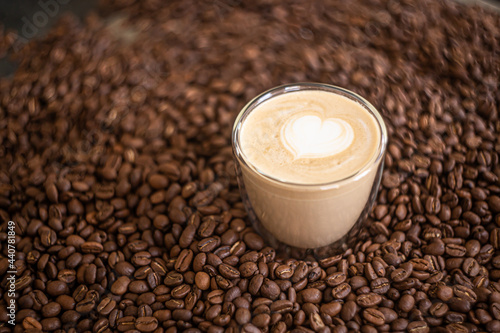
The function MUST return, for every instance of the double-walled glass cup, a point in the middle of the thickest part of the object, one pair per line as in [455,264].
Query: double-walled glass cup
[321,219]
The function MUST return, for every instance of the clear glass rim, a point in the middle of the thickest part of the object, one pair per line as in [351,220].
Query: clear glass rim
[294,87]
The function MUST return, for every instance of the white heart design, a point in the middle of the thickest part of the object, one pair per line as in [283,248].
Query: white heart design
[309,136]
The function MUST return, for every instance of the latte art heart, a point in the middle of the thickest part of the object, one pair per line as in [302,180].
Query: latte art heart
[309,136]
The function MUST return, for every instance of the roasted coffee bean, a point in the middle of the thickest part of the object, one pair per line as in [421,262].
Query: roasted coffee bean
[261,320]
[310,295]
[341,291]
[464,293]
[269,289]
[253,241]
[374,316]
[284,272]
[91,247]
[455,250]
[146,324]
[183,261]
[418,327]
[180,291]
[202,280]
[242,316]
[402,273]
[208,244]
[67,302]
[125,323]
[255,284]
[51,309]
[335,279]
[389,314]
[228,272]
[459,304]
[331,309]
[380,285]
[282,306]
[368,300]
[215,297]
[173,279]
[438,309]
[406,303]
[106,306]
[86,305]
[120,286]
[30,323]
[248,269]
[56,288]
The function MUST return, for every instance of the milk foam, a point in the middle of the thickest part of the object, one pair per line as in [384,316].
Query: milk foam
[309,137]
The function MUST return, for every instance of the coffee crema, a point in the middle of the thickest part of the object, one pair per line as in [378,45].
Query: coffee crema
[309,137]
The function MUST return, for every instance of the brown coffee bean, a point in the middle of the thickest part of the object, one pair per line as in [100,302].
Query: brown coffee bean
[106,306]
[120,286]
[455,250]
[494,203]
[202,280]
[335,279]
[438,309]
[374,316]
[255,284]
[242,316]
[261,320]
[187,236]
[86,305]
[331,309]
[125,323]
[402,273]
[208,244]
[158,181]
[56,288]
[282,306]
[228,272]
[418,327]
[341,291]
[253,241]
[284,272]
[310,295]
[215,296]
[380,285]
[141,258]
[248,269]
[269,289]
[51,309]
[368,300]
[406,303]
[146,324]
[91,247]
[180,291]
[30,323]
[444,293]
[464,293]
[183,262]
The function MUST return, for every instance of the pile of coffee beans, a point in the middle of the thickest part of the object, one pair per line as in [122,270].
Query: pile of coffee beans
[116,168]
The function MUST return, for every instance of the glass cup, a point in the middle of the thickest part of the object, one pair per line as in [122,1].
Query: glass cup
[301,219]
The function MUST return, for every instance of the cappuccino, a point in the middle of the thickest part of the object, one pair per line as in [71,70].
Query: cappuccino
[309,137]
[309,161]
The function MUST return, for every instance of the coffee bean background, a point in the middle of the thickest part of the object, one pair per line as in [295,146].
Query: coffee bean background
[116,166]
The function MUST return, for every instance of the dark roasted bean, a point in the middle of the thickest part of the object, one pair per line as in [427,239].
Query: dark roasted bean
[374,316]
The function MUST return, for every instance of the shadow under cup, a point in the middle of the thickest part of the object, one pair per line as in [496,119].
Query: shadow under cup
[301,219]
